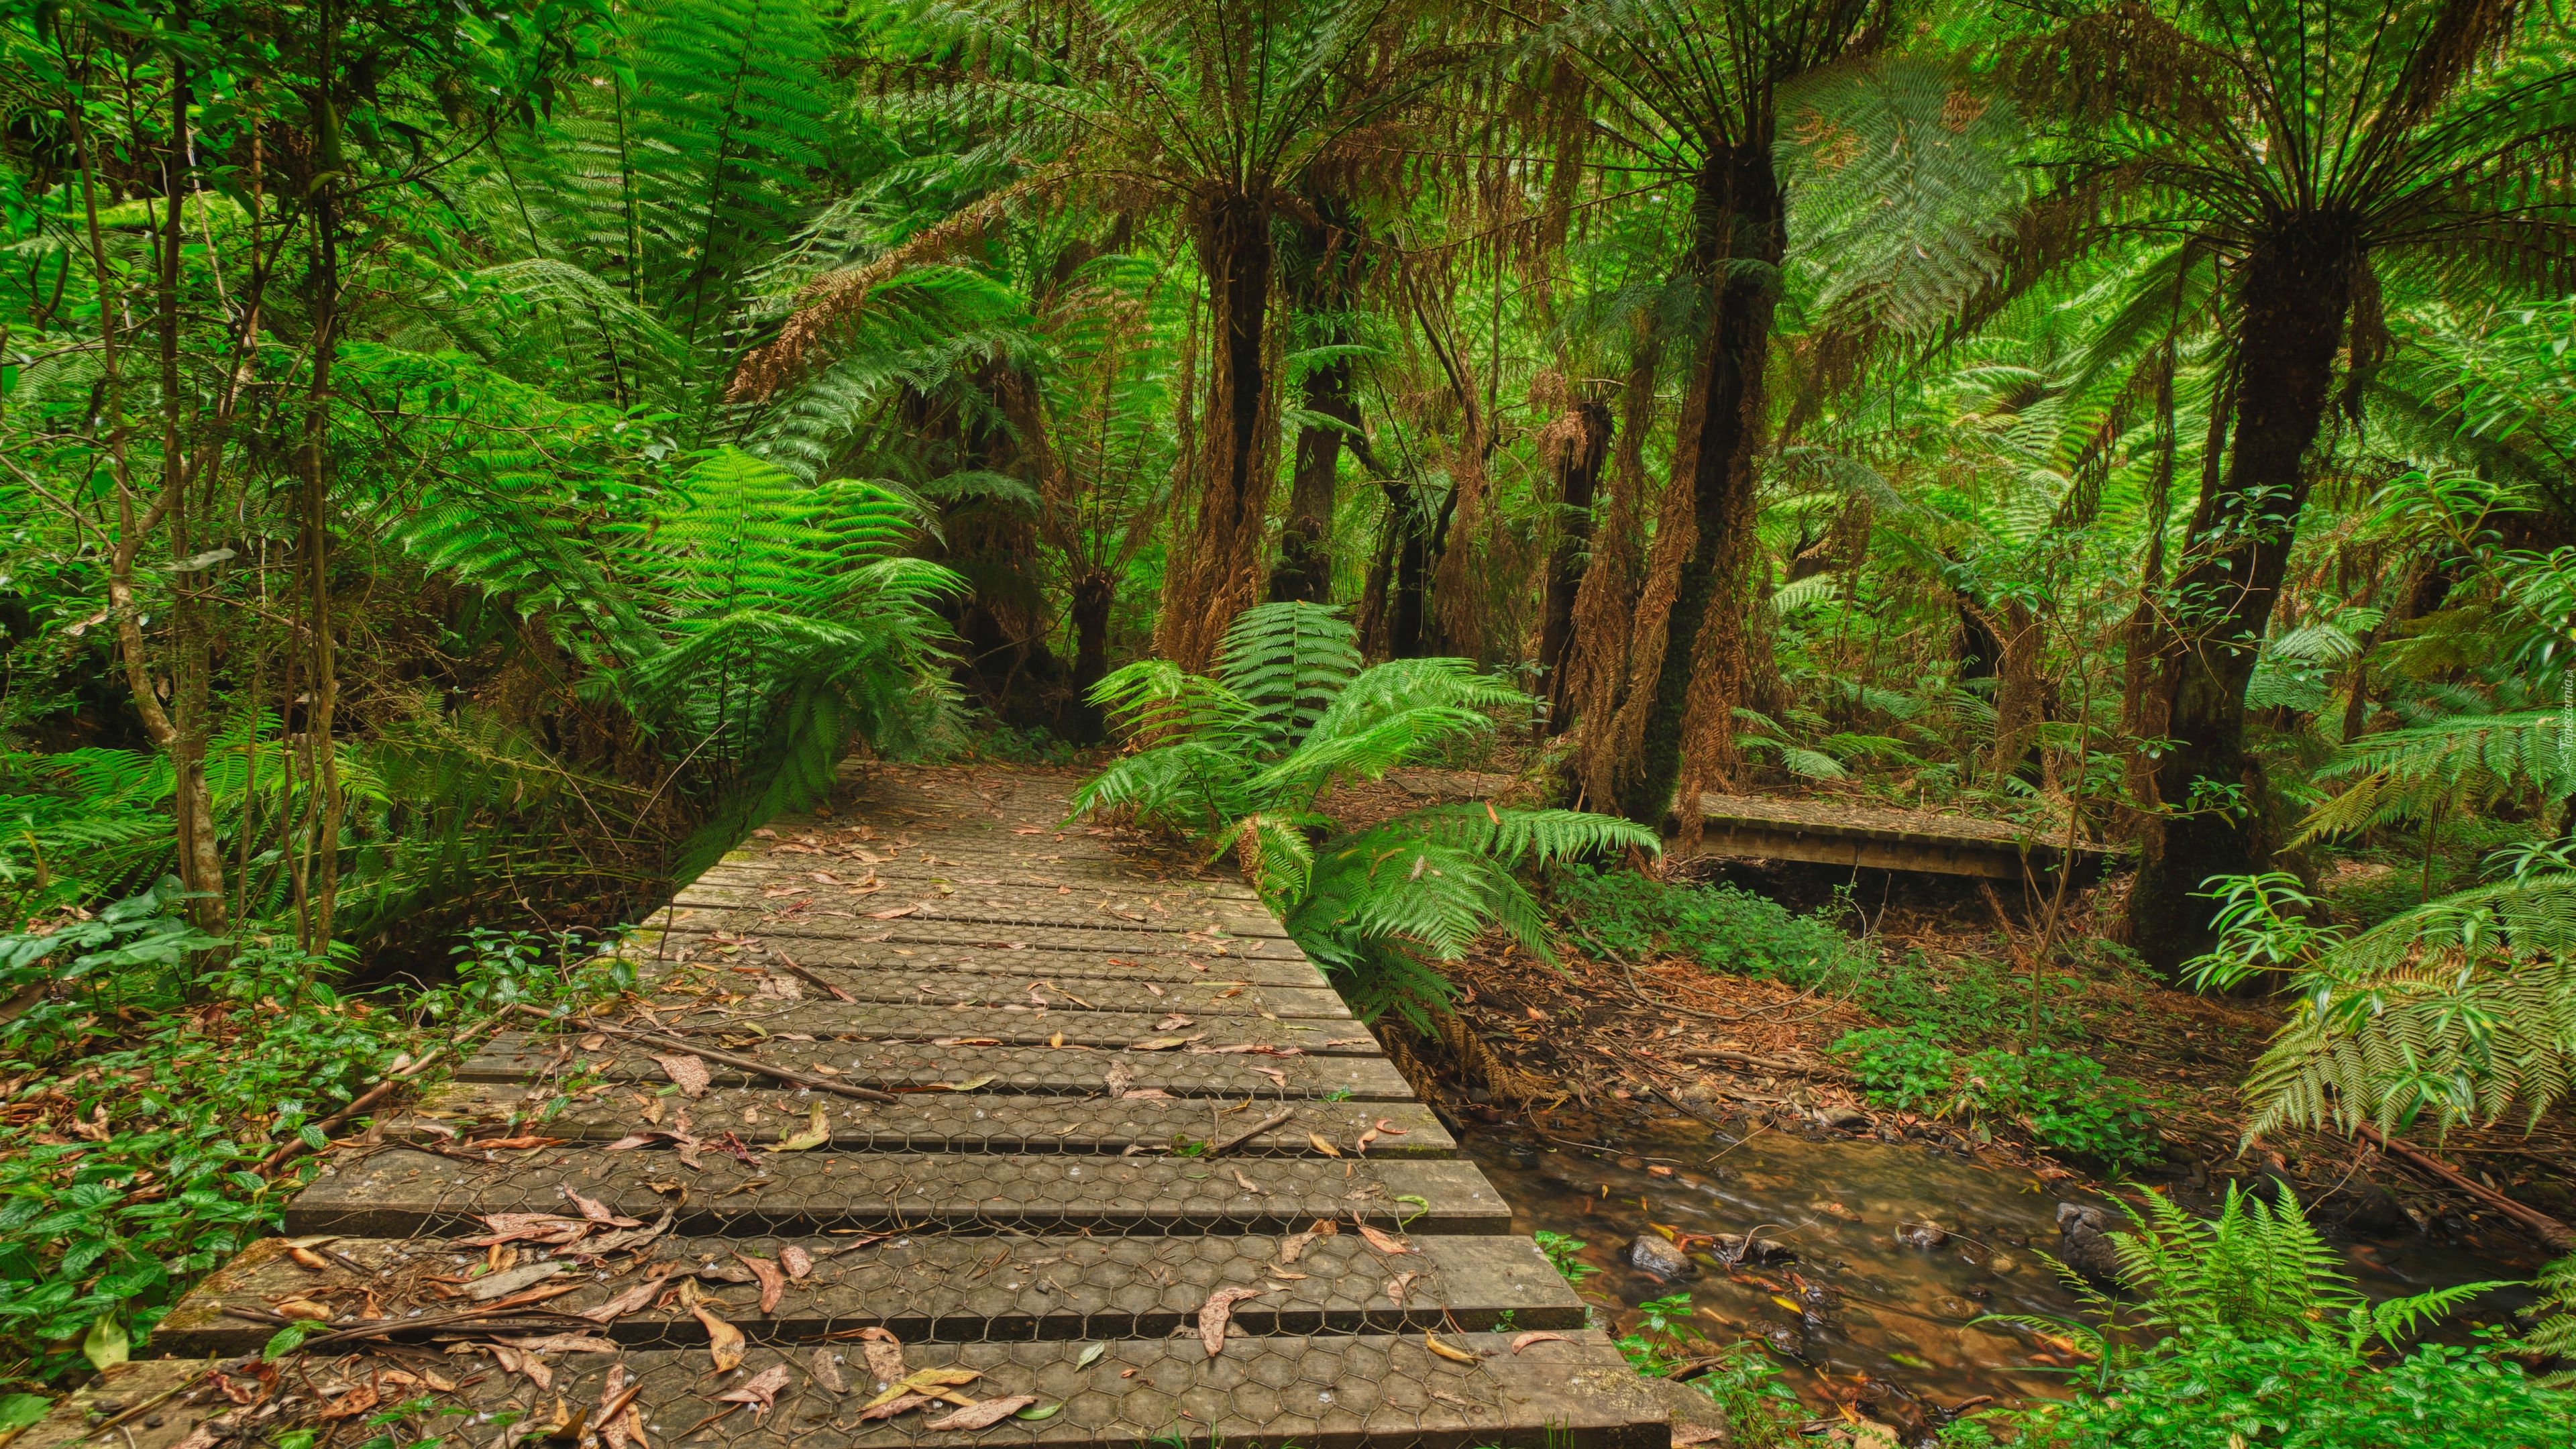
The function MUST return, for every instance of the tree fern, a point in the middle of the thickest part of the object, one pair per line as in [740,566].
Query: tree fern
[2464,1007]
[1242,761]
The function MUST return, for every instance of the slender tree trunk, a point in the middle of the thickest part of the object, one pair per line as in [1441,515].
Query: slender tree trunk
[1320,281]
[1700,668]
[322,888]
[2016,628]
[1406,609]
[1576,460]
[1221,567]
[1093,592]
[2296,293]
[1306,541]
[201,862]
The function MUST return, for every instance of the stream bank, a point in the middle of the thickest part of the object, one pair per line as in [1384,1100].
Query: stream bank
[1874,1261]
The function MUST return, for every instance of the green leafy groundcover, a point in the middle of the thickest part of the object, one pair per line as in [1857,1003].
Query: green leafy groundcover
[2242,1332]
[2064,1099]
[139,1095]
[2213,1389]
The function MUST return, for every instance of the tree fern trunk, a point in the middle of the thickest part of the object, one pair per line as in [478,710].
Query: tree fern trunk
[1576,461]
[1305,568]
[1743,236]
[1223,557]
[1319,286]
[2296,292]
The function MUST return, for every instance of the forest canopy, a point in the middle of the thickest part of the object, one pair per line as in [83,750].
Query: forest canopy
[465,465]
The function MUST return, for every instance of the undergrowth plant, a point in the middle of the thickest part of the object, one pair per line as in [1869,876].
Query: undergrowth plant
[2063,1099]
[128,1152]
[2248,1333]
[1243,762]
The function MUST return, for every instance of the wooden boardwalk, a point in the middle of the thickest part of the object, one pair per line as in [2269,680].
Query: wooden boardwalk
[1123,1164]
[1878,837]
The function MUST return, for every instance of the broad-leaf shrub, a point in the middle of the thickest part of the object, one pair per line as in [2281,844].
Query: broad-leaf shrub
[1240,760]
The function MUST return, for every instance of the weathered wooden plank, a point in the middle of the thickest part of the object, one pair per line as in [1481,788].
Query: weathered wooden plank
[1027,1071]
[995,905]
[833,923]
[1027,869]
[1001,981]
[1261,1392]
[1025,1022]
[703,939]
[924,1287]
[962,1122]
[401,1192]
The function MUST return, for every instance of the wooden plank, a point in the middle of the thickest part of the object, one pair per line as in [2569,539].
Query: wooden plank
[922,1286]
[748,1021]
[960,1122]
[1331,1391]
[401,1192]
[914,1066]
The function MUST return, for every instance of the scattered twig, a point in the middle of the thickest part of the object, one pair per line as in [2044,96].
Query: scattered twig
[748,1064]
[1813,1071]
[810,977]
[366,1101]
[1247,1134]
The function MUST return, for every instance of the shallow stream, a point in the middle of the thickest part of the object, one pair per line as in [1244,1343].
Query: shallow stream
[1859,1317]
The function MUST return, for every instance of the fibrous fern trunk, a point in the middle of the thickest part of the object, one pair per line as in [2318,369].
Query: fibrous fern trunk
[1580,444]
[2297,290]
[1692,617]
[1219,572]
[1319,287]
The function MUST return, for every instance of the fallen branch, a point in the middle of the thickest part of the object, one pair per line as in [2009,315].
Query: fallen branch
[748,1064]
[2548,1229]
[1247,1134]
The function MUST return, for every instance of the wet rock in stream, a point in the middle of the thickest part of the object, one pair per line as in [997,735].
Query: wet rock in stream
[1732,1248]
[2084,1245]
[1922,1235]
[1651,1254]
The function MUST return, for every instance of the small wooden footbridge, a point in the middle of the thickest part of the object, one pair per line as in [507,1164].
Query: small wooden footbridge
[933,1120]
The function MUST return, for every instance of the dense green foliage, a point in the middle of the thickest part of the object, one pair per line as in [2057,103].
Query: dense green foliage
[462,465]
[2064,1100]
[2249,1333]
[1244,761]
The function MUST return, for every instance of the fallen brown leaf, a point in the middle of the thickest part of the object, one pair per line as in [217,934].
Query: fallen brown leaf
[796,1261]
[902,1403]
[760,1390]
[1216,1311]
[724,1341]
[628,1301]
[1386,1243]
[826,1372]
[1526,1339]
[773,1281]
[1449,1351]
[1396,1286]
[687,1072]
[885,1355]
[351,1404]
